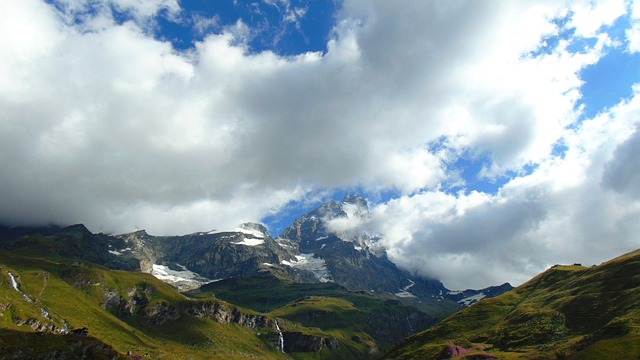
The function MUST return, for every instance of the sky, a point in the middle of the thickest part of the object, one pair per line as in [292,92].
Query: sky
[492,138]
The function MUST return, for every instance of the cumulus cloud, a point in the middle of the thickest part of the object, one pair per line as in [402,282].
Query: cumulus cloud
[580,207]
[105,124]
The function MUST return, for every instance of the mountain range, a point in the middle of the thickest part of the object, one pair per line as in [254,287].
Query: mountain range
[308,251]
[312,292]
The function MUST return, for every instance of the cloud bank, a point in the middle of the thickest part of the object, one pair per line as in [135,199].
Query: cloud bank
[104,123]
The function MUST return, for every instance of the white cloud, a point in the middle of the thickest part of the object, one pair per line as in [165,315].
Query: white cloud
[203,25]
[102,123]
[141,10]
[633,32]
[580,208]
[591,16]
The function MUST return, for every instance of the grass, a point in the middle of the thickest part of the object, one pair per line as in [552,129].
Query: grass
[364,324]
[39,345]
[565,312]
[71,293]
[264,293]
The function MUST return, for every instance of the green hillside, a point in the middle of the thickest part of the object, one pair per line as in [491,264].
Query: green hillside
[83,310]
[567,312]
[365,325]
[122,312]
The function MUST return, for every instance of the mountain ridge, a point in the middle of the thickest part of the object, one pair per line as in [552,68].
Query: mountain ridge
[566,312]
[310,250]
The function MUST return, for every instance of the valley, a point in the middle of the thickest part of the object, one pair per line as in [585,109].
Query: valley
[310,293]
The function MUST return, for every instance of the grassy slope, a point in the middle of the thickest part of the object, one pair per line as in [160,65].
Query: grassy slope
[565,312]
[359,321]
[71,293]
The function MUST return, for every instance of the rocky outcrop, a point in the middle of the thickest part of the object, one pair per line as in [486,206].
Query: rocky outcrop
[142,248]
[41,327]
[299,342]
[160,313]
[455,351]
[213,254]
[226,314]
[130,303]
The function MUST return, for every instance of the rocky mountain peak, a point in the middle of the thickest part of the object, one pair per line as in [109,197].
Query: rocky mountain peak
[329,210]
[254,227]
[77,228]
[357,200]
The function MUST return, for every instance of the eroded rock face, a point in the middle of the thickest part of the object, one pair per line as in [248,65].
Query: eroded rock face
[160,313]
[212,255]
[354,258]
[454,351]
[130,303]
[39,326]
[298,342]
[225,314]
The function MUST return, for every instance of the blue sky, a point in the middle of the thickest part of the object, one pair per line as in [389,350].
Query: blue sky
[605,83]
[286,28]
[492,139]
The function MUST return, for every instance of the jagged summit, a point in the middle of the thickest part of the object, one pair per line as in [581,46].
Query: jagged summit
[255,226]
[356,200]
[353,258]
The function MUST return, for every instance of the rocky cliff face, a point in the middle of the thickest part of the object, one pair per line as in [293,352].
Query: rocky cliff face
[208,255]
[74,242]
[130,303]
[326,244]
[355,260]
[136,303]
[299,342]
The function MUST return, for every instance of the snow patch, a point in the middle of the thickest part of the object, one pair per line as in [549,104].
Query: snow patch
[118,253]
[182,279]
[164,273]
[250,242]
[322,238]
[307,262]
[284,243]
[251,232]
[404,292]
[468,301]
